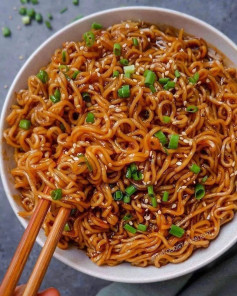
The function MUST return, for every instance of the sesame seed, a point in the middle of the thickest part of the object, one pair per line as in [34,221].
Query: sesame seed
[175,80]
[21,57]
[167,73]
[173,206]
[194,70]
[91,87]
[139,206]
[147,217]
[208,217]
[168,66]
[127,26]
[150,56]
[130,223]
[169,44]
[207,80]
[159,212]
[179,163]
[233,163]
[146,201]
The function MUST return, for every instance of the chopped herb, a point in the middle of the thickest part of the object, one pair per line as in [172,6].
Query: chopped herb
[126,199]
[90,118]
[129,173]
[61,67]
[199,191]
[127,217]
[75,2]
[194,79]
[195,169]
[162,138]
[204,179]
[63,10]
[25,124]
[22,10]
[24,1]
[150,190]
[135,41]
[50,17]
[118,195]
[124,91]
[89,38]
[117,49]
[34,2]
[130,190]
[55,98]
[150,78]
[115,73]
[176,231]
[127,75]
[90,169]
[56,194]
[177,73]
[96,26]
[129,69]
[129,228]
[86,97]
[174,142]
[64,56]
[48,25]
[192,109]
[38,17]
[169,85]
[77,17]
[31,13]
[152,88]
[166,119]
[154,201]
[26,20]
[6,32]
[141,227]
[67,227]
[165,196]
[137,176]
[43,76]
[62,127]
[74,75]
[164,80]
[124,62]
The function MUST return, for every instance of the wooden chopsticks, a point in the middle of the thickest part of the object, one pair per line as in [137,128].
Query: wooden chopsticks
[23,250]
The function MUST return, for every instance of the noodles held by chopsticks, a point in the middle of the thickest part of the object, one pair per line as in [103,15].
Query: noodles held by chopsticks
[134,129]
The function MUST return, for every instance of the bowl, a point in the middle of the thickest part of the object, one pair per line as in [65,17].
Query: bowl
[73,257]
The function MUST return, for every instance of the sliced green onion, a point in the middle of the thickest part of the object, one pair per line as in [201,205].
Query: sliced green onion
[117,49]
[75,2]
[43,76]
[56,194]
[192,109]
[128,173]
[61,67]
[86,162]
[128,75]
[55,98]
[165,196]
[67,77]
[162,138]
[67,227]
[6,32]
[129,69]
[86,97]
[133,168]
[130,190]
[194,79]
[63,10]
[22,10]
[126,199]
[174,142]
[73,212]
[38,17]
[89,38]
[154,201]
[74,75]
[169,85]
[25,124]
[31,13]
[118,195]
[127,217]
[164,80]
[145,72]
[141,227]
[48,25]
[150,78]
[135,41]
[77,17]
[62,127]
[26,20]
[64,56]
[24,1]
[152,88]
[195,168]
[204,179]
[137,176]
[166,119]
[130,228]
[177,73]
[124,62]
[150,190]
[90,118]
[34,2]
[176,231]
[96,26]
[124,91]
[115,73]
[199,191]
[50,17]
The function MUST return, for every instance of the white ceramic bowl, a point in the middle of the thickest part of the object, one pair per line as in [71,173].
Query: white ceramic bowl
[77,258]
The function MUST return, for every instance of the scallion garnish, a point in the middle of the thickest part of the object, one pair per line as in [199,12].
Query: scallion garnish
[67,227]
[150,78]
[90,169]
[174,142]
[31,13]
[194,78]
[141,227]
[56,194]
[177,73]
[126,199]
[48,25]
[135,41]
[137,176]
[43,76]
[115,73]
[162,138]
[6,32]
[90,118]
[24,1]
[61,67]
[176,231]
[130,190]
[86,97]
[204,179]
[127,217]
[62,127]
[89,38]
[25,124]
[165,196]
[22,10]
[26,20]
[124,62]
[129,69]
[118,195]
[169,85]
[75,2]
[63,10]
[64,56]
[127,75]
[34,2]
[129,228]
[195,168]
[74,75]
[154,201]
[152,88]
[55,98]
[129,173]
[166,119]
[199,191]
[38,17]
[50,17]
[96,26]
[164,80]
[117,49]
[192,109]
[124,91]
[133,168]
[150,190]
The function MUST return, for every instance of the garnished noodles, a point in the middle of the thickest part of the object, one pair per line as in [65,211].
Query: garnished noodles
[134,129]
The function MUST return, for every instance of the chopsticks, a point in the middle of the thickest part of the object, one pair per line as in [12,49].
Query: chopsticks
[24,248]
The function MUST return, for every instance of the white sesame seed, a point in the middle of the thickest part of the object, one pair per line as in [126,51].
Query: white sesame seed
[146,200]
[208,217]
[167,73]
[147,217]
[124,45]
[91,87]
[150,56]
[179,163]
[130,222]
[127,26]
[175,80]
[169,44]
[207,80]
[168,66]
[173,206]
[159,212]
[233,163]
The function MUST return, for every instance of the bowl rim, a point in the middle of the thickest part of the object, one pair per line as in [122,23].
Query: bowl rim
[4,174]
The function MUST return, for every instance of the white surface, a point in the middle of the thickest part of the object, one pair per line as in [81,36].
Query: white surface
[77,258]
